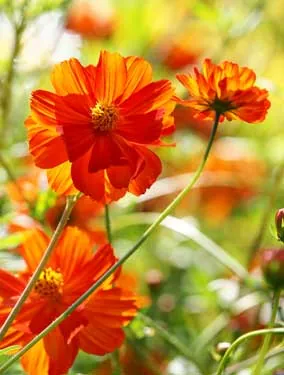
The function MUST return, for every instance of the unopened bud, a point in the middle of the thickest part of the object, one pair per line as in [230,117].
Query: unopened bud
[279,222]
[222,347]
[272,264]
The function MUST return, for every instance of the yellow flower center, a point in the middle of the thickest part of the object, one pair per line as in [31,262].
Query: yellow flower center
[104,117]
[49,283]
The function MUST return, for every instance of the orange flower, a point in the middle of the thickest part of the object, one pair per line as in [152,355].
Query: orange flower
[132,362]
[83,216]
[95,327]
[98,125]
[226,89]
[25,190]
[91,19]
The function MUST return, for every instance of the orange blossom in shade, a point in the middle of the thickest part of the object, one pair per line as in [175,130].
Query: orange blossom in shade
[95,327]
[226,89]
[132,362]
[84,215]
[93,133]
[91,19]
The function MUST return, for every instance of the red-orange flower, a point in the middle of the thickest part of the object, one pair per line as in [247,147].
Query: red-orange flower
[91,19]
[95,327]
[98,125]
[226,89]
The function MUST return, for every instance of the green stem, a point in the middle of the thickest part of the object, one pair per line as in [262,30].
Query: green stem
[236,343]
[71,200]
[173,340]
[265,346]
[250,361]
[112,269]
[7,87]
[272,195]
[107,223]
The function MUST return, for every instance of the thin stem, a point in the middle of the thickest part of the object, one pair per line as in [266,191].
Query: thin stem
[115,363]
[272,195]
[108,224]
[236,343]
[265,346]
[247,362]
[112,269]
[171,339]
[71,200]
[7,87]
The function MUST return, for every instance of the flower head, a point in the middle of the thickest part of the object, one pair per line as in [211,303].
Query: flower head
[93,133]
[226,89]
[95,327]
[91,19]
[272,264]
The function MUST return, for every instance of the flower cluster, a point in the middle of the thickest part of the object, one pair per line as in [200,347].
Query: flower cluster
[94,135]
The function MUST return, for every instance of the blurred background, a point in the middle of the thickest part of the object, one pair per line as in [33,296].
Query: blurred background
[193,291]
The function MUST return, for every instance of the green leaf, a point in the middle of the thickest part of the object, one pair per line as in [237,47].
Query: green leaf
[10,241]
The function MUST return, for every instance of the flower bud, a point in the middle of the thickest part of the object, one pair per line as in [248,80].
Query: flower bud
[272,264]
[222,347]
[279,222]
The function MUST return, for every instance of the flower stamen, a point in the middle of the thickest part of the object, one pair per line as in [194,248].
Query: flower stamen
[49,283]
[104,117]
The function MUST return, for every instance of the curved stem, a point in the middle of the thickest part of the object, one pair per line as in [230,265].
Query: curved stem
[112,269]
[108,224]
[7,89]
[235,344]
[71,200]
[271,197]
[265,346]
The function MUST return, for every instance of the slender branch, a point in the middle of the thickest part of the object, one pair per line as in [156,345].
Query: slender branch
[265,346]
[71,200]
[247,362]
[272,194]
[236,343]
[112,269]
[7,87]
[173,340]
[108,224]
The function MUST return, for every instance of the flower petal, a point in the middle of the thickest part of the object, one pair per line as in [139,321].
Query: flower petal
[70,77]
[91,184]
[106,152]
[150,170]
[61,355]
[45,144]
[111,77]
[141,128]
[59,179]
[100,340]
[149,98]
[33,247]
[36,361]
[139,74]
[73,252]
[10,285]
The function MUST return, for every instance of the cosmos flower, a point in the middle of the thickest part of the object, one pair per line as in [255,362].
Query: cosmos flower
[91,19]
[226,89]
[93,133]
[95,327]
